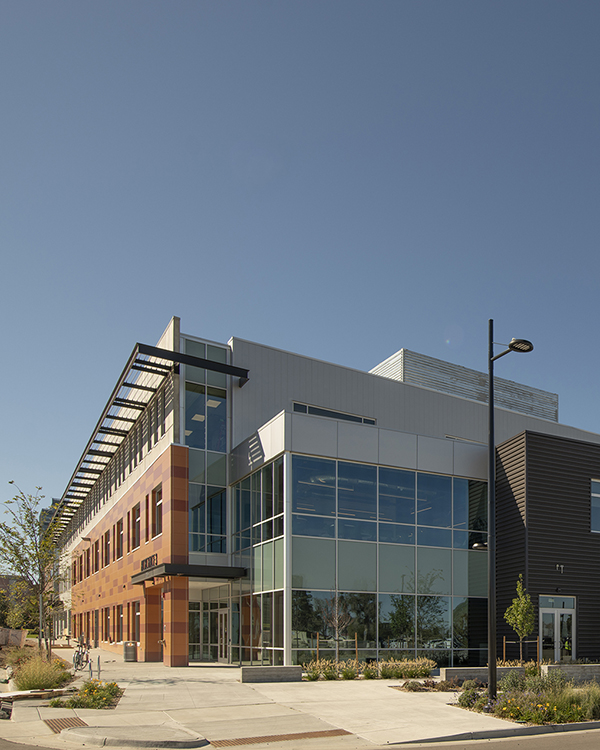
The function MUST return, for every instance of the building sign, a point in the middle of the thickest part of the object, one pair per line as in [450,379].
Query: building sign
[149,562]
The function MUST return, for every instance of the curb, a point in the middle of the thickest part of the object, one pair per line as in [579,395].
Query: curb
[117,736]
[497,734]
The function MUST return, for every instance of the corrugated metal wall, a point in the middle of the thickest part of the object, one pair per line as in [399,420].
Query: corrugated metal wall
[428,372]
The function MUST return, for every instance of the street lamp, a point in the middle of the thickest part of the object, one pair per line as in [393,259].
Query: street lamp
[516,345]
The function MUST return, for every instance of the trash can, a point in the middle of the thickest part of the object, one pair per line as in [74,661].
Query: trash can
[130,651]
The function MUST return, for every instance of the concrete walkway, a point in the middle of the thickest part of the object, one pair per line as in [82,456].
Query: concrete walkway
[191,706]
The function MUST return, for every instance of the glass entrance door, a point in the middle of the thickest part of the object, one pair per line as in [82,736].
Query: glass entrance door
[557,634]
[223,651]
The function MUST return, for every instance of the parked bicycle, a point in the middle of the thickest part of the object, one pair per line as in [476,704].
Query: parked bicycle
[81,657]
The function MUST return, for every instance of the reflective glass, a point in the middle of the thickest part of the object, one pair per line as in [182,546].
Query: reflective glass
[267,566]
[194,415]
[308,610]
[245,503]
[196,495]
[434,537]
[257,568]
[196,349]
[358,613]
[433,622]
[313,485]
[434,570]
[357,490]
[396,495]
[434,500]
[278,526]
[595,524]
[216,468]
[278,486]
[313,563]
[396,568]
[470,504]
[313,526]
[357,566]
[267,491]
[216,518]
[470,573]
[196,466]
[365,531]
[469,623]
[278,563]
[216,354]
[216,419]
[396,621]
[395,533]
[256,504]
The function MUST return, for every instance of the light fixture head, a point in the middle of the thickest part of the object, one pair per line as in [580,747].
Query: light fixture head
[520,345]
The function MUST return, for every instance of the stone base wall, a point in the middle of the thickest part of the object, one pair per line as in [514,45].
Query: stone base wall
[271,674]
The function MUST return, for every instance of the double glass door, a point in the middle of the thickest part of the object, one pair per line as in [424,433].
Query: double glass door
[557,632]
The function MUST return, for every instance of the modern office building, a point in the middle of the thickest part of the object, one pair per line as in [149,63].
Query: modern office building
[242,504]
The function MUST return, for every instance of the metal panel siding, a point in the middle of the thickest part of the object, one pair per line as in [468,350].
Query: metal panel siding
[511,545]
[558,499]
[428,372]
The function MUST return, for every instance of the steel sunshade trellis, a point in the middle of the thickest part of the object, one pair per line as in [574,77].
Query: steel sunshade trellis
[144,374]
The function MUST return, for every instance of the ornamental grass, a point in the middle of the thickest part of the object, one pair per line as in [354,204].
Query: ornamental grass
[38,674]
[92,694]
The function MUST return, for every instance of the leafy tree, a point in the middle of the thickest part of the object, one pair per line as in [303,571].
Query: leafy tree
[521,615]
[28,551]
[4,609]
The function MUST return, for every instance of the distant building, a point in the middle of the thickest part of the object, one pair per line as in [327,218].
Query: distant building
[232,495]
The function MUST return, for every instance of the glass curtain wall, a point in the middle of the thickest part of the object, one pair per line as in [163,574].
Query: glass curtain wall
[385,563]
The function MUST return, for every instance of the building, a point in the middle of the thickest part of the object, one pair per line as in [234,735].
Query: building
[241,504]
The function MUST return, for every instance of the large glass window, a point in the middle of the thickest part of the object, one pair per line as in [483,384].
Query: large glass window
[313,486]
[434,570]
[195,415]
[157,511]
[396,621]
[357,491]
[434,500]
[216,420]
[313,563]
[396,496]
[396,568]
[433,622]
[197,519]
[357,566]
[470,504]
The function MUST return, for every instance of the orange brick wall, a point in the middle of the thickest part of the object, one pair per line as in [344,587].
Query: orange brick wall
[111,586]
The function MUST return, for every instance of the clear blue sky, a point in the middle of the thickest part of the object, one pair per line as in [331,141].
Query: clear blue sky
[335,178]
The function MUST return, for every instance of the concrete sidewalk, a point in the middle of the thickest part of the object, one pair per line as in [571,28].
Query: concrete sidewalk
[191,706]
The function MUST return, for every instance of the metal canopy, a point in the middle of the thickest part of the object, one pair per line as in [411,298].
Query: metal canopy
[189,571]
[123,409]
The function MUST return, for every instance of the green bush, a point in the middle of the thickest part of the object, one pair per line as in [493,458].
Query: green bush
[349,670]
[370,671]
[413,686]
[92,694]
[38,674]
[471,685]
[468,698]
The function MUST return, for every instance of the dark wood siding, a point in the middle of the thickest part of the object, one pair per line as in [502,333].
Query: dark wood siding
[511,538]
[558,529]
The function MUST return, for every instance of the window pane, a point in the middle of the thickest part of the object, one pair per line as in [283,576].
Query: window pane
[434,500]
[396,568]
[395,533]
[357,490]
[216,419]
[194,415]
[359,611]
[469,623]
[196,463]
[434,568]
[357,566]
[313,526]
[196,505]
[433,622]
[434,537]
[307,618]
[216,468]
[396,621]
[313,486]
[267,491]
[278,487]
[267,566]
[278,563]
[216,519]
[313,563]
[365,531]
[595,513]
[470,573]
[396,496]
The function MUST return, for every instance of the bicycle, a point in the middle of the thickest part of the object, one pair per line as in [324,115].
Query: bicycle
[81,657]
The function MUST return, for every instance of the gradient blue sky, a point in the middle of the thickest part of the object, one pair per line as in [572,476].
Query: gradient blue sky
[335,178]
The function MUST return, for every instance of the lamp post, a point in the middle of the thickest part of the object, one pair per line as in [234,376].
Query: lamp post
[516,345]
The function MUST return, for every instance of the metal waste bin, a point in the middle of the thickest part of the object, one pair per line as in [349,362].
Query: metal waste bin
[130,651]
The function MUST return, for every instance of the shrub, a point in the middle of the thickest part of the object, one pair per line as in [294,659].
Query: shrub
[92,694]
[38,674]
[468,698]
[313,671]
[445,686]
[370,671]
[349,670]
[413,686]
[471,685]
[329,669]
[17,656]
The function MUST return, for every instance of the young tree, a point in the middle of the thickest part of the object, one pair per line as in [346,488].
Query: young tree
[520,615]
[28,551]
